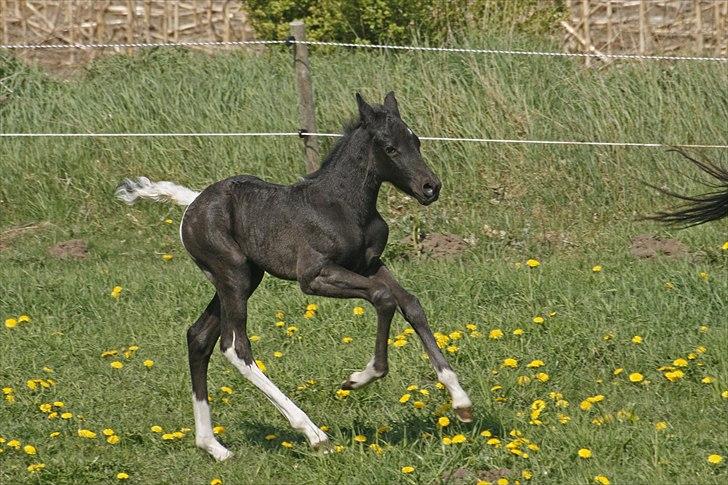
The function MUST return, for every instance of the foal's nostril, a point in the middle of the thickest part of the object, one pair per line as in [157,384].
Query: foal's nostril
[428,190]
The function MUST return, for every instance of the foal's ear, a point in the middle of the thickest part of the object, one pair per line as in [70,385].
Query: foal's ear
[366,112]
[390,104]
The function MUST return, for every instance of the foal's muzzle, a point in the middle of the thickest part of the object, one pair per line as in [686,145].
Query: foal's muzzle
[429,192]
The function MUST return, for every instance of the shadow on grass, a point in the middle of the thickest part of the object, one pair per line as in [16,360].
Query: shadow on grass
[413,431]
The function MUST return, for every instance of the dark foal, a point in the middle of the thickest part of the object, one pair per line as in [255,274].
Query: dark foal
[324,232]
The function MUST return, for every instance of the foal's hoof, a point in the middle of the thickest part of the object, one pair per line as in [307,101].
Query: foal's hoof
[324,447]
[465,415]
[348,385]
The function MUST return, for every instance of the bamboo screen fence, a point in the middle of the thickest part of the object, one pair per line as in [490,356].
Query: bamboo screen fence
[697,27]
[114,21]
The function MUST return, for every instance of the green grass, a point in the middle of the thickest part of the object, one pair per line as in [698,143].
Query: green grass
[569,207]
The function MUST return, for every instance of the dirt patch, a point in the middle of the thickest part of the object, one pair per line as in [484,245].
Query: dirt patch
[462,476]
[72,249]
[648,246]
[7,236]
[436,245]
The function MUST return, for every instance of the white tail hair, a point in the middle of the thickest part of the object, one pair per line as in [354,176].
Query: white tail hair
[130,190]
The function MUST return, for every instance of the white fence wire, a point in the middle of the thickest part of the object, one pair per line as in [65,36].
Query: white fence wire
[292,41]
[463,50]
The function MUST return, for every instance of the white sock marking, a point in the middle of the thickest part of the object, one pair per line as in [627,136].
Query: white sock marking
[364,377]
[459,398]
[298,419]
[204,437]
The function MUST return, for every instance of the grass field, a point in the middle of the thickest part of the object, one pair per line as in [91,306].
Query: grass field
[570,208]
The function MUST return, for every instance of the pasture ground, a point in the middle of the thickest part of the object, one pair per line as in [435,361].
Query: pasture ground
[571,208]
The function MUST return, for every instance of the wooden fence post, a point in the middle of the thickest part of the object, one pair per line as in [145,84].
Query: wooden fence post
[305,95]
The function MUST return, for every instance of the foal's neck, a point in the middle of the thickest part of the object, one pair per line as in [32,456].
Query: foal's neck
[350,176]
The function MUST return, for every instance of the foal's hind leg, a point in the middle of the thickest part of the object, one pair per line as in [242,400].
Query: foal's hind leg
[235,284]
[201,338]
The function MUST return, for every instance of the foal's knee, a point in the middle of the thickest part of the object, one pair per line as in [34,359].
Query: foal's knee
[383,299]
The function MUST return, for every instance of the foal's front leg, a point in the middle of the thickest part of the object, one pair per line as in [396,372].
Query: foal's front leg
[337,282]
[415,315]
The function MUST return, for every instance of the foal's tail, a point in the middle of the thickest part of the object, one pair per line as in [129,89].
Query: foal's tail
[130,190]
[698,209]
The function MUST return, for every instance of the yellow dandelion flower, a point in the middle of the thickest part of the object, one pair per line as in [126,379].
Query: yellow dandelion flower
[518,332]
[585,405]
[703,276]
[347,340]
[108,432]
[156,429]
[535,364]
[11,323]
[493,442]
[458,438]
[510,362]
[452,348]
[270,437]
[440,385]
[216,481]
[724,247]
[418,404]
[46,407]
[618,371]
[455,335]
[715,459]
[563,418]
[339,448]
[122,476]
[168,221]
[446,440]
[636,377]
[533,263]
[400,343]
[523,380]
[724,394]
[680,362]
[117,364]
[116,292]
[601,480]
[35,467]
[29,450]
[342,393]
[291,330]
[502,481]
[597,268]
[23,319]
[495,334]
[226,390]
[66,415]
[538,320]
[309,314]
[408,469]
[358,311]
[55,434]
[486,434]
[360,438]
[660,425]
[404,398]
[443,421]
[376,448]
[527,474]
[261,366]
[543,377]
[637,339]
[85,433]
[707,380]
[113,439]
[673,376]
[471,327]
[277,354]
[167,257]
[585,453]
[312,307]
[218,429]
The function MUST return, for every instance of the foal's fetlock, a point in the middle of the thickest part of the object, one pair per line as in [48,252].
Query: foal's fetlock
[214,448]
[362,378]
[464,415]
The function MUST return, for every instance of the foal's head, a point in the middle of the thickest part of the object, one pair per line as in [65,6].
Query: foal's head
[397,151]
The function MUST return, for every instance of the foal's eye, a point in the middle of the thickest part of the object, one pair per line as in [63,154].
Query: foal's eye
[390,150]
